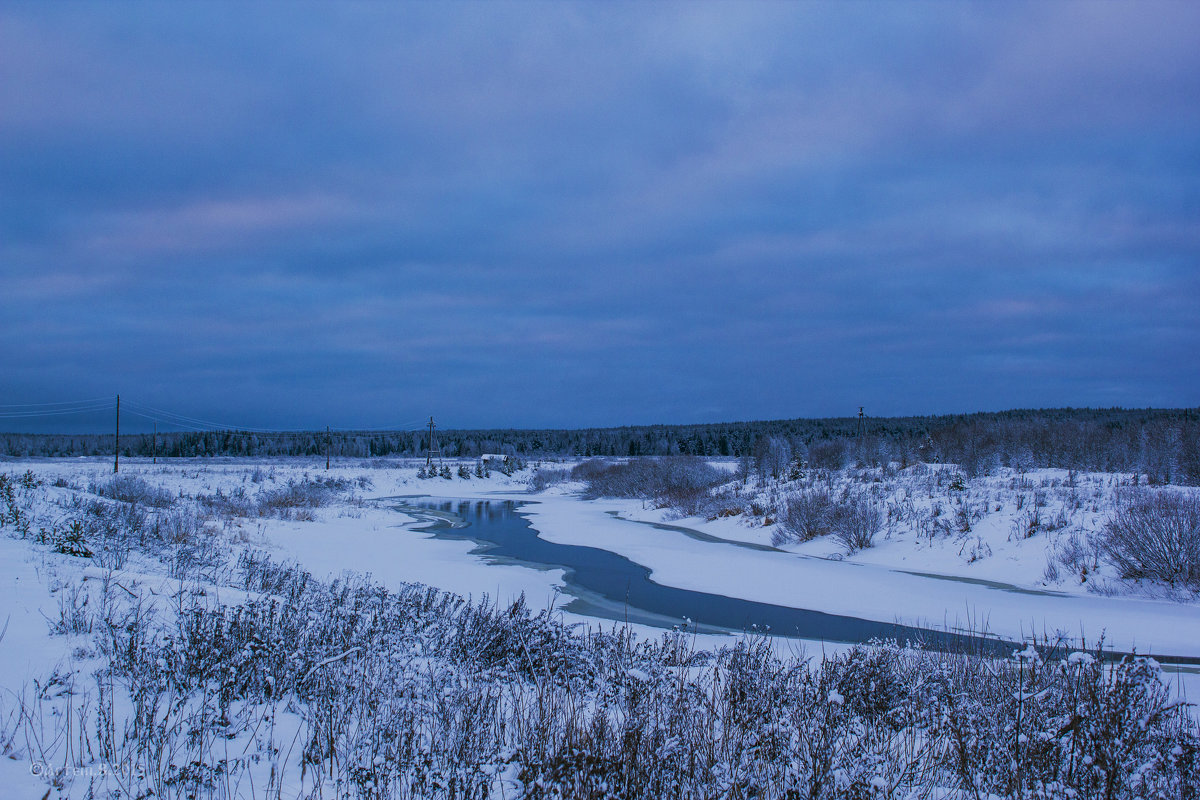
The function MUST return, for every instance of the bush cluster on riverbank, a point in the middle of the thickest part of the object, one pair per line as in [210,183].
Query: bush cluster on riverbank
[1107,533]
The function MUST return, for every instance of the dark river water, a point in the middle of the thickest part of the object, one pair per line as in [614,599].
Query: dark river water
[603,584]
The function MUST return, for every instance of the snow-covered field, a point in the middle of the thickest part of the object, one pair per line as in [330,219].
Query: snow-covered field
[973,556]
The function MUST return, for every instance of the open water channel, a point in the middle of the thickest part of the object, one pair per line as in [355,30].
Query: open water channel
[607,585]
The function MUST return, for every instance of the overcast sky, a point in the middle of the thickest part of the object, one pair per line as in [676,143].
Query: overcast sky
[543,214]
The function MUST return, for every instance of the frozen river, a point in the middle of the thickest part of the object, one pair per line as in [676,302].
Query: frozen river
[604,584]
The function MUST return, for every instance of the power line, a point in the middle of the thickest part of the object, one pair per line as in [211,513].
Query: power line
[33,411]
[57,403]
[410,425]
[186,427]
[206,422]
[53,413]
[183,420]
[191,428]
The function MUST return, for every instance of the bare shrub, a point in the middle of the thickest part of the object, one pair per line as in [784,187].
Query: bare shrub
[853,519]
[586,470]
[1051,573]
[855,522]
[195,550]
[176,527]
[830,455]
[1156,535]
[678,482]
[260,574]
[74,616]
[108,532]
[234,504]
[725,502]
[545,477]
[772,457]
[1028,523]
[1077,553]
[294,500]
[132,489]
[302,494]
[805,515]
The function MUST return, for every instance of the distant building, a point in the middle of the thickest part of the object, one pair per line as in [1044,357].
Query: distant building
[487,458]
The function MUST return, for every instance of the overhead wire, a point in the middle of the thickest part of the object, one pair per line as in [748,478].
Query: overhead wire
[170,418]
[183,418]
[412,425]
[108,399]
[192,428]
[175,424]
[57,412]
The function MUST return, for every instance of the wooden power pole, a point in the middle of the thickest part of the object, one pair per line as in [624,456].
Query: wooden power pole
[429,455]
[326,447]
[862,431]
[117,438]
[155,450]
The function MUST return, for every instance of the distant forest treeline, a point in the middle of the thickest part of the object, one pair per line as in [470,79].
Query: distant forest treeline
[1163,444]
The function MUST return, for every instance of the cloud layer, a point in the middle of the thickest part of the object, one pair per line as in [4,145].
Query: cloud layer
[568,215]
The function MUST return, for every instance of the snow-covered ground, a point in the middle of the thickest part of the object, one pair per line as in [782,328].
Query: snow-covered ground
[985,575]
[909,576]
[984,578]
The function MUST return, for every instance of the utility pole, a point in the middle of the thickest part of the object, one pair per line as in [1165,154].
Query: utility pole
[117,438]
[155,450]
[862,429]
[327,447]
[429,455]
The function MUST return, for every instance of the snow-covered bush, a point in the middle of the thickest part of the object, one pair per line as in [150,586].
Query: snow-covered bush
[1066,728]
[856,520]
[831,455]
[259,573]
[107,532]
[177,526]
[545,477]
[853,519]
[591,468]
[14,508]
[293,500]
[723,502]
[227,505]
[132,489]
[672,482]
[1078,553]
[301,494]
[1156,534]
[772,457]
[805,515]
